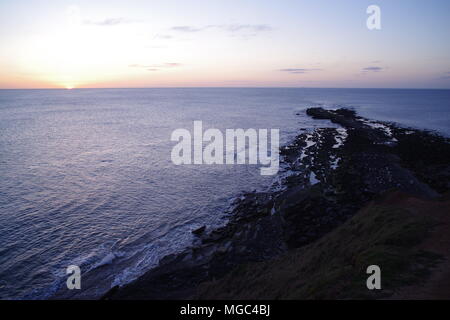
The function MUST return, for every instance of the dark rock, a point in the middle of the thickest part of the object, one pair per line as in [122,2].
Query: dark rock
[199,231]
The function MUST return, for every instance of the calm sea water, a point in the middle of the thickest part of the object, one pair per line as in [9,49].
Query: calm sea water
[86,175]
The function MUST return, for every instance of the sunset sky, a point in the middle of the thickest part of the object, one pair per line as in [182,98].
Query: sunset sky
[251,43]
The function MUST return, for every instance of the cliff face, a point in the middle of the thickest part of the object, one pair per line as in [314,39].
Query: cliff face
[314,223]
[407,237]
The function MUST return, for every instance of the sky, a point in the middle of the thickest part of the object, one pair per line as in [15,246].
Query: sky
[223,43]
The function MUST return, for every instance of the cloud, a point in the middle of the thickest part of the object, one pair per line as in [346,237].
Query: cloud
[298,70]
[107,22]
[163,36]
[253,29]
[172,64]
[187,29]
[245,27]
[156,67]
[446,76]
[372,69]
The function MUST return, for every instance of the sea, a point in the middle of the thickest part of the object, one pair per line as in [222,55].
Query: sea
[86,176]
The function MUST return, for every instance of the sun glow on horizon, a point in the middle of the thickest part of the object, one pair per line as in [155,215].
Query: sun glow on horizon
[77,54]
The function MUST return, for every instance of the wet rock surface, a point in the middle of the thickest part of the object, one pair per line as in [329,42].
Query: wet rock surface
[328,175]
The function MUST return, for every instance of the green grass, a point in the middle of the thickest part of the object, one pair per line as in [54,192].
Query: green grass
[334,267]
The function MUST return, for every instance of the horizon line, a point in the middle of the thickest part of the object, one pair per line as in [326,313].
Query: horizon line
[225,87]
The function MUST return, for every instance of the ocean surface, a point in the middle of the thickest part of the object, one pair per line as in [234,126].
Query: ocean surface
[87,179]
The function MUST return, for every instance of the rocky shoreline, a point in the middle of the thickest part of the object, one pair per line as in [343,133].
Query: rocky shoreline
[329,175]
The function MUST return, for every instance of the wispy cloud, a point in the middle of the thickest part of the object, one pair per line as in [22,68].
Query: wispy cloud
[156,67]
[245,27]
[372,69]
[172,64]
[298,70]
[248,29]
[446,76]
[108,22]
[187,28]
[163,36]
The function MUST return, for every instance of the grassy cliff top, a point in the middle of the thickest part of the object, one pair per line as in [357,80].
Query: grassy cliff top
[407,237]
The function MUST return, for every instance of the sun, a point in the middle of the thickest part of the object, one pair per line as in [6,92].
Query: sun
[69,87]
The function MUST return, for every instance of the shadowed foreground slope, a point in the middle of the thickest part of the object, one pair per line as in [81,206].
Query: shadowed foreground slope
[407,237]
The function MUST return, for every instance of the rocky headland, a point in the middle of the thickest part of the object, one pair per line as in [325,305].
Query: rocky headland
[369,192]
